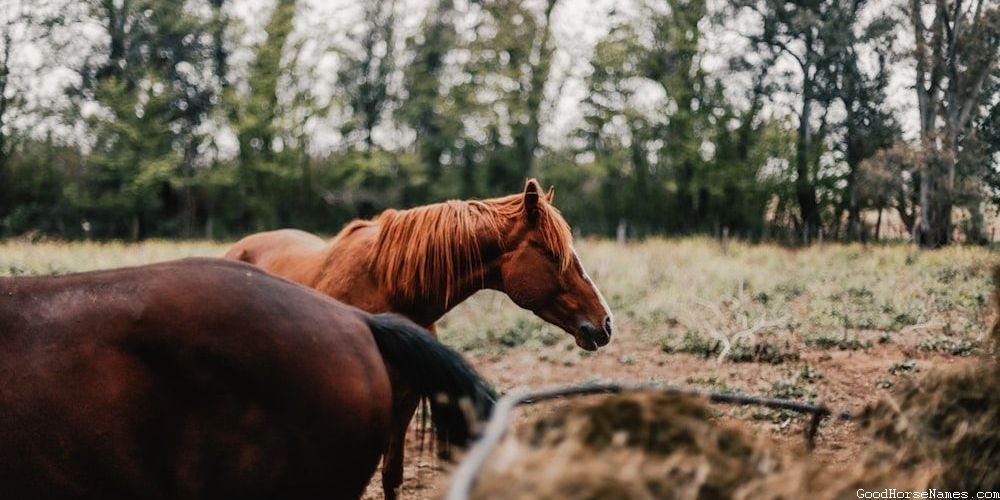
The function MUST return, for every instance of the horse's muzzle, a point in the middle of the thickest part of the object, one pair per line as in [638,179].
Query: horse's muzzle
[593,337]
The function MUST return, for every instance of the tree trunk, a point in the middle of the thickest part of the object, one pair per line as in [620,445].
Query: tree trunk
[4,101]
[878,224]
[136,230]
[934,228]
[804,189]
[528,142]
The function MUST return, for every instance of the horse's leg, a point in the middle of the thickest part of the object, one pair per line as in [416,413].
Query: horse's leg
[404,406]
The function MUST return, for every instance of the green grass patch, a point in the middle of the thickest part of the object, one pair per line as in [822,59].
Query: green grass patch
[843,342]
[758,351]
[948,345]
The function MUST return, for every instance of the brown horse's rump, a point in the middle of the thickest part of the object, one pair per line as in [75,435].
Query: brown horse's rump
[191,379]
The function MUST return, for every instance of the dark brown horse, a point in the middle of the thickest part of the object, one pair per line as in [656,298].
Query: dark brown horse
[204,378]
[424,261]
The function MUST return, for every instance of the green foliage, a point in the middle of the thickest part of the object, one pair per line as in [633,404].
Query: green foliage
[704,160]
[31,195]
[428,109]
[366,67]
[462,98]
[843,342]
[153,101]
[955,347]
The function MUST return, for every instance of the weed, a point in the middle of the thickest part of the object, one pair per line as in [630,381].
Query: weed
[513,337]
[762,351]
[714,383]
[903,319]
[14,270]
[950,346]
[842,342]
[549,337]
[809,374]
[906,366]
[691,343]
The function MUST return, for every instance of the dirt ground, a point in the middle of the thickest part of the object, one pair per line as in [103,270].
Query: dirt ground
[841,379]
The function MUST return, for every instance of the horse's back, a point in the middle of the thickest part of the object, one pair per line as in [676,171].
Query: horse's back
[338,268]
[197,378]
[290,253]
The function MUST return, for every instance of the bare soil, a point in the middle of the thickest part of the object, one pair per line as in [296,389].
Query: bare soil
[842,379]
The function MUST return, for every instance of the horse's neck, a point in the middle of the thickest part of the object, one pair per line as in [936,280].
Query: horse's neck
[484,275]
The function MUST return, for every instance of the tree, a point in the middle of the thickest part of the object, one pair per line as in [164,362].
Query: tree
[425,107]
[509,63]
[869,125]
[153,97]
[956,60]
[254,116]
[810,35]
[7,24]
[365,71]
[985,143]
[890,179]
[674,62]
[622,134]
[23,25]
[679,156]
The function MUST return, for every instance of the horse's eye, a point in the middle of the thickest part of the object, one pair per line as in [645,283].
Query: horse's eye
[553,255]
[546,251]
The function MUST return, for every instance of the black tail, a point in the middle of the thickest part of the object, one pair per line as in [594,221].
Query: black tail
[459,398]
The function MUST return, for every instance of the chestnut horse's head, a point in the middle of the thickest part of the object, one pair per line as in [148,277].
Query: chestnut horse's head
[541,272]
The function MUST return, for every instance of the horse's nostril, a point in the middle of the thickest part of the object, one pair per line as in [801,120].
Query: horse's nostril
[607,325]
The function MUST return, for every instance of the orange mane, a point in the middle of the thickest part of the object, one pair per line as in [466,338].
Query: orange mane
[424,251]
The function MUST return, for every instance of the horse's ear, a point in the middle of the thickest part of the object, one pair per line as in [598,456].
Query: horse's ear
[551,194]
[531,193]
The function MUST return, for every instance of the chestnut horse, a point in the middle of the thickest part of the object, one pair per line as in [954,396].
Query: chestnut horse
[204,378]
[424,261]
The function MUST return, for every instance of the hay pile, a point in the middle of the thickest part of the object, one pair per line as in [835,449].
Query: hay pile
[947,422]
[657,446]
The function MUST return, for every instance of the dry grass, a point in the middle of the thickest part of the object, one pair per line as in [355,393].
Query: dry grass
[753,303]
[765,301]
[22,258]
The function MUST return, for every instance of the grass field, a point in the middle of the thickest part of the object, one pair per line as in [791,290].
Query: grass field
[688,296]
[833,323]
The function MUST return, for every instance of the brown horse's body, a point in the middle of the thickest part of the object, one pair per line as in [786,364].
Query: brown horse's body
[198,379]
[336,268]
[423,262]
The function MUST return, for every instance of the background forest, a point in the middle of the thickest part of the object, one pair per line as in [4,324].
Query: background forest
[765,119]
